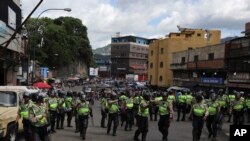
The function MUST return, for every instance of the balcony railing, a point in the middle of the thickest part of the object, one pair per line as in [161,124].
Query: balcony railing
[207,64]
[178,66]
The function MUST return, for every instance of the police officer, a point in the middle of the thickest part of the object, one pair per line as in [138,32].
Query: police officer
[53,109]
[247,104]
[69,105]
[223,101]
[231,98]
[213,109]
[61,111]
[23,112]
[166,113]
[104,110]
[38,117]
[137,101]
[121,102]
[129,112]
[182,107]
[189,103]
[198,113]
[171,97]
[237,109]
[83,110]
[142,121]
[155,107]
[75,101]
[113,110]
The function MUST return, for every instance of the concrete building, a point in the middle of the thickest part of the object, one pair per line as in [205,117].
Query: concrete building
[203,67]
[238,60]
[10,19]
[129,55]
[160,52]
[103,63]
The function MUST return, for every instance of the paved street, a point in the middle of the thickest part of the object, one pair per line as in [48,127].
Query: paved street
[178,131]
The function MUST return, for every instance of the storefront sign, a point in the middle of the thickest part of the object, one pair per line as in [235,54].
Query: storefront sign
[210,80]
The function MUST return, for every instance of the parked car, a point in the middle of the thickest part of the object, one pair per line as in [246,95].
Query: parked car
[10,99]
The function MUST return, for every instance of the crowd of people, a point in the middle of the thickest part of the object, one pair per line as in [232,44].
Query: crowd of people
[43,113]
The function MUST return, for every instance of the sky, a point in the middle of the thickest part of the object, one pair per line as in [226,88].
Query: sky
[147,18]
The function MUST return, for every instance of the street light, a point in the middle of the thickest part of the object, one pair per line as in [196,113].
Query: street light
[34,51]
[62,9]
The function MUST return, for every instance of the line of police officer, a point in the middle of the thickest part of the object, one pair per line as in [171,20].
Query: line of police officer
[41,111]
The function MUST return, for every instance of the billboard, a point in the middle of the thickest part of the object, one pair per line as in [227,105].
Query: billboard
[211,80]
[44,72]
[93,71]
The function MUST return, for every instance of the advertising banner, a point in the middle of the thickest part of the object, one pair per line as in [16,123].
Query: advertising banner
[211,80]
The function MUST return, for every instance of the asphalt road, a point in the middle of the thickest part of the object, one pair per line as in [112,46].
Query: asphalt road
[178,131]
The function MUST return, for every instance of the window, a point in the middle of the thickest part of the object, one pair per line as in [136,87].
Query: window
[211,56]
[162,50]
[152,52]
[151,65]
[196,58]
[160,78]
[183,59]
[161,64]
[150,78]
[198,34]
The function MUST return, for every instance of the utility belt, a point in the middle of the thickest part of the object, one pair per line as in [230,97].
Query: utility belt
[26,122]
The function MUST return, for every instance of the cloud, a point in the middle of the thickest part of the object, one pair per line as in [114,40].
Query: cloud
[148,18]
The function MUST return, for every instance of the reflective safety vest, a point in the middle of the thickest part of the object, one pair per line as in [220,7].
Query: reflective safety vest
[83,109]
[53,103]
[182,99]
[189,99]
[163,108]
[129,103]
[123,98]
[104,103]
[24,109]
[242,99]
[199,109]
[223,101]
[144,112]
[158,98]
[113,108]
[61,103]
[231,97]
[171,98]
[247,103]
[238,105]
[39,112]
[137,100]
[212,107]
[68,102]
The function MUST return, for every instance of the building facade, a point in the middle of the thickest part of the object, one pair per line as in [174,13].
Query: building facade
[202,67]
[103,63]
[10,19]
[129,55]
[238,61]
[160,52]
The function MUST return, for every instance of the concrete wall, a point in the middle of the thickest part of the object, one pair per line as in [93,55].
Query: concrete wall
[175,42]
[202,52]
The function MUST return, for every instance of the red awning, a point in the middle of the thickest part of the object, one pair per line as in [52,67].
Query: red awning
[42,85]
[137,67]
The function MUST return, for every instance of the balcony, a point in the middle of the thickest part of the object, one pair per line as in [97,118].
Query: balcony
[178,66]
[239,52]
[207,64]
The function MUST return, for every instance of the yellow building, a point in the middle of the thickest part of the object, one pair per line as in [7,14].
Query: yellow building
[160,52]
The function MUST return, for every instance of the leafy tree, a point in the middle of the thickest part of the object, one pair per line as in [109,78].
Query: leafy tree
[65,36]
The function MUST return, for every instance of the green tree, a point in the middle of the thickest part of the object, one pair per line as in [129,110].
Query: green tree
[66,36]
